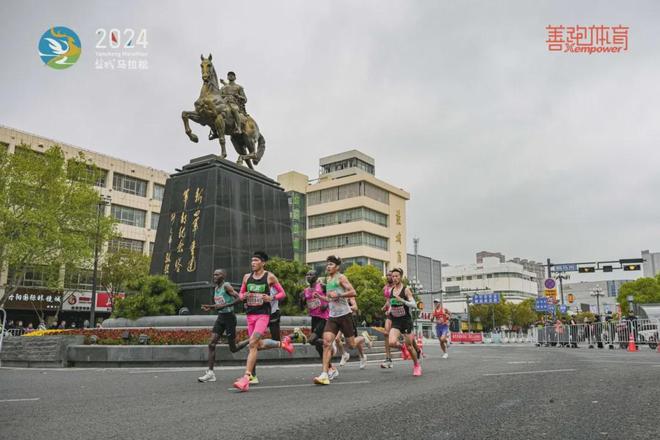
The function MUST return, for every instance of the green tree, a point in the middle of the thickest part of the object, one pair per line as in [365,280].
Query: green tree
[121,269]
[485,314]
[643,290]
[153,295]
[291,275]
[523,314]
[49,214]
[368,282]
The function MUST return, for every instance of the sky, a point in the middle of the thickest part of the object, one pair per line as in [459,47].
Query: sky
[503,145]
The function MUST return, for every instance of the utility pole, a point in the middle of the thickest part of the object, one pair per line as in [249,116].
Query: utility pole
[597,292]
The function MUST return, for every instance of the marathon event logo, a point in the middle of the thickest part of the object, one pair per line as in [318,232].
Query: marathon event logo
[59,47]
[587,39]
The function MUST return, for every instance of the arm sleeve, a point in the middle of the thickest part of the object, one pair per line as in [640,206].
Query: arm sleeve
[243,291]
[280,295]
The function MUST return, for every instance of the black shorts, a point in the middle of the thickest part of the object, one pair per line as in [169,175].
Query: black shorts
[318,325]
[274,325]
[354,326]
[404,325]
[225,323]
[342,324]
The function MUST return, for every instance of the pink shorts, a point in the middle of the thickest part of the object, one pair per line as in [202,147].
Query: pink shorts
[257,324]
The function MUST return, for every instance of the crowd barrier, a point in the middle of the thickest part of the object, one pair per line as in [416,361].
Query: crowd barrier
[610,334]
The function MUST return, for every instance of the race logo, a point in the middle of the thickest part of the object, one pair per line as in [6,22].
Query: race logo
[59,47]
[587,39]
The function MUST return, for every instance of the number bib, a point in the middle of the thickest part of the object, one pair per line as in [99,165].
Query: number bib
[397,311]
[313,304]
[219,300]
[255,299]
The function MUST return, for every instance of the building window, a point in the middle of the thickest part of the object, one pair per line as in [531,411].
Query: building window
[126,243]
[35,276]
[348,240]
[151,247]
[129,216]
[347,216]
[79,279]
[159,192]
[130,185]
[154,220]
[348,191]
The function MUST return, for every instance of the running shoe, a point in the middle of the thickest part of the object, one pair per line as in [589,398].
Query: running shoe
[405,355]
[363,362]
[323,379]
[367,339]
[417,370]
[254,380]
[445,356]
[344,358]
[333,373]
[209,376]
[286,345]
[242,384]
[386,364]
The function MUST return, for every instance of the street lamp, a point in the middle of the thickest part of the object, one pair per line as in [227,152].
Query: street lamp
[102,203]
[561,277]
[597,292]
[630,300]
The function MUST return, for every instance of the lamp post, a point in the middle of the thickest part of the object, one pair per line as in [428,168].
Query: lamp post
[597,292]
[630,300]
[100,207]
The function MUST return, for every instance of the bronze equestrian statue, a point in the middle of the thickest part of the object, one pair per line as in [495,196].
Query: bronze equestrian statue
[223,110]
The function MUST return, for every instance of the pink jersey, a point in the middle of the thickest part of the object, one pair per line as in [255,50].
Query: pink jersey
[314,304]
[387,291]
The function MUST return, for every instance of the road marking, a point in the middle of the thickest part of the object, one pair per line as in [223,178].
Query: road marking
[530,372]
[302,385]
[620,362]
[32,399]
[523,362]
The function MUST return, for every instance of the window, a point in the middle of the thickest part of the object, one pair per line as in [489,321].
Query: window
[129,216]
[469,277]
[130,185]
[348,240]
[35,276]
[348,191]
[347,216]
[151,247]
[154,220]
[159,192]
[126,243]
[79,279]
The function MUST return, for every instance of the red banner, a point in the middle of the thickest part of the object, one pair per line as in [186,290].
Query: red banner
[466,337]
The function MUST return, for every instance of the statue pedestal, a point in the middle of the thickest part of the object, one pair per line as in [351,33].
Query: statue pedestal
[214,215]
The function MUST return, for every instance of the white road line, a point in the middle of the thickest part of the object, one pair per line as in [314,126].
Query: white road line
[259,387]
[620,362]
[523,362]
[530,372]
[32,399]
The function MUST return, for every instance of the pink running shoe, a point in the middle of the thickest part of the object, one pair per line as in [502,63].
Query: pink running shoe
[417,370]
[286,345]
[242,384]
[404,352]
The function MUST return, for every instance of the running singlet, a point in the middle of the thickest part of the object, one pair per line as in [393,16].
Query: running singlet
[340,306]
[440,316]
[254,304]
[314,304]
[397,308]
[220,297]
[274,304]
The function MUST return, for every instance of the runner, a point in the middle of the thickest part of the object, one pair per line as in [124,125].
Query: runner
[441,317]
[339,289]
[273,327]
[388,321]
[313,297]
[401,301]
[224,298]
[255,292]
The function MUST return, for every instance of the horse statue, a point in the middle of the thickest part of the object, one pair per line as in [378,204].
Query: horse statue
[212,110]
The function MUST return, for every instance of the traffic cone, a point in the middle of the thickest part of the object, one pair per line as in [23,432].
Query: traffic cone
[631,343]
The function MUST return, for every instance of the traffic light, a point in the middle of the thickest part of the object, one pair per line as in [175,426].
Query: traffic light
[587,269]
[607,268]
[628,267]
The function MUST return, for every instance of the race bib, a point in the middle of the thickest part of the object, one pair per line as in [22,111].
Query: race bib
[220,300]
[313,304]
[255,299]
[397,311]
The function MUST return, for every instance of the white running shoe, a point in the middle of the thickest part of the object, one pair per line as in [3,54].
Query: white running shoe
[363,362]
[445,356]
[333,373]
[208,377]
[344,358]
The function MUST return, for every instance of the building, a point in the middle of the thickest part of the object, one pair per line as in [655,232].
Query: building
[348,212]
[529,265]
[651,265]
[135,193]
[428,274]
[585,300]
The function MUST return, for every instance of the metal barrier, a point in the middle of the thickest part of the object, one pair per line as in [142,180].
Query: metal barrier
[611,334]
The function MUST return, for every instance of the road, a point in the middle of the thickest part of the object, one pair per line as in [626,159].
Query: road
[480,392]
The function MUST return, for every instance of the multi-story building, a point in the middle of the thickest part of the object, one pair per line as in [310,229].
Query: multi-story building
[135,193]
[349,213]
[651,265]
[529,265]
[584,294]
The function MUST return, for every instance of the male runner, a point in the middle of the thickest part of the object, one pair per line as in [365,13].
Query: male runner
[314,298]
[273,327]
[388,321]
[441,317]
[338,289]
[224,298]
[255,291]
[401,301]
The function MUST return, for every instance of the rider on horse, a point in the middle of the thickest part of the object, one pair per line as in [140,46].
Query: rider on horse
[235,97]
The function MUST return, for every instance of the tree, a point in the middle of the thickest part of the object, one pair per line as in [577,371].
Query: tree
[49,215]
[154,295]
[291,275]
[523,314]
[121,269]
[643,290]
[368,282]
[485,314]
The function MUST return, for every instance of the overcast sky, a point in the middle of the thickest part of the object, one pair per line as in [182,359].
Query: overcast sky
[503,145]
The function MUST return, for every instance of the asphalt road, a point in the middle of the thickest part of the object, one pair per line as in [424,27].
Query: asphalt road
[480,392]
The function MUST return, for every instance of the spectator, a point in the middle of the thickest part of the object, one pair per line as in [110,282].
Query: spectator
[30,328]
[73,325]
[86,323]
[42,326]
[62,325]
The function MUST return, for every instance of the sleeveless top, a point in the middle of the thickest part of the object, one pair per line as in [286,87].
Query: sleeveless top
[314,304]
[340,306]
[399,310]
[254,304]
[220,296]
